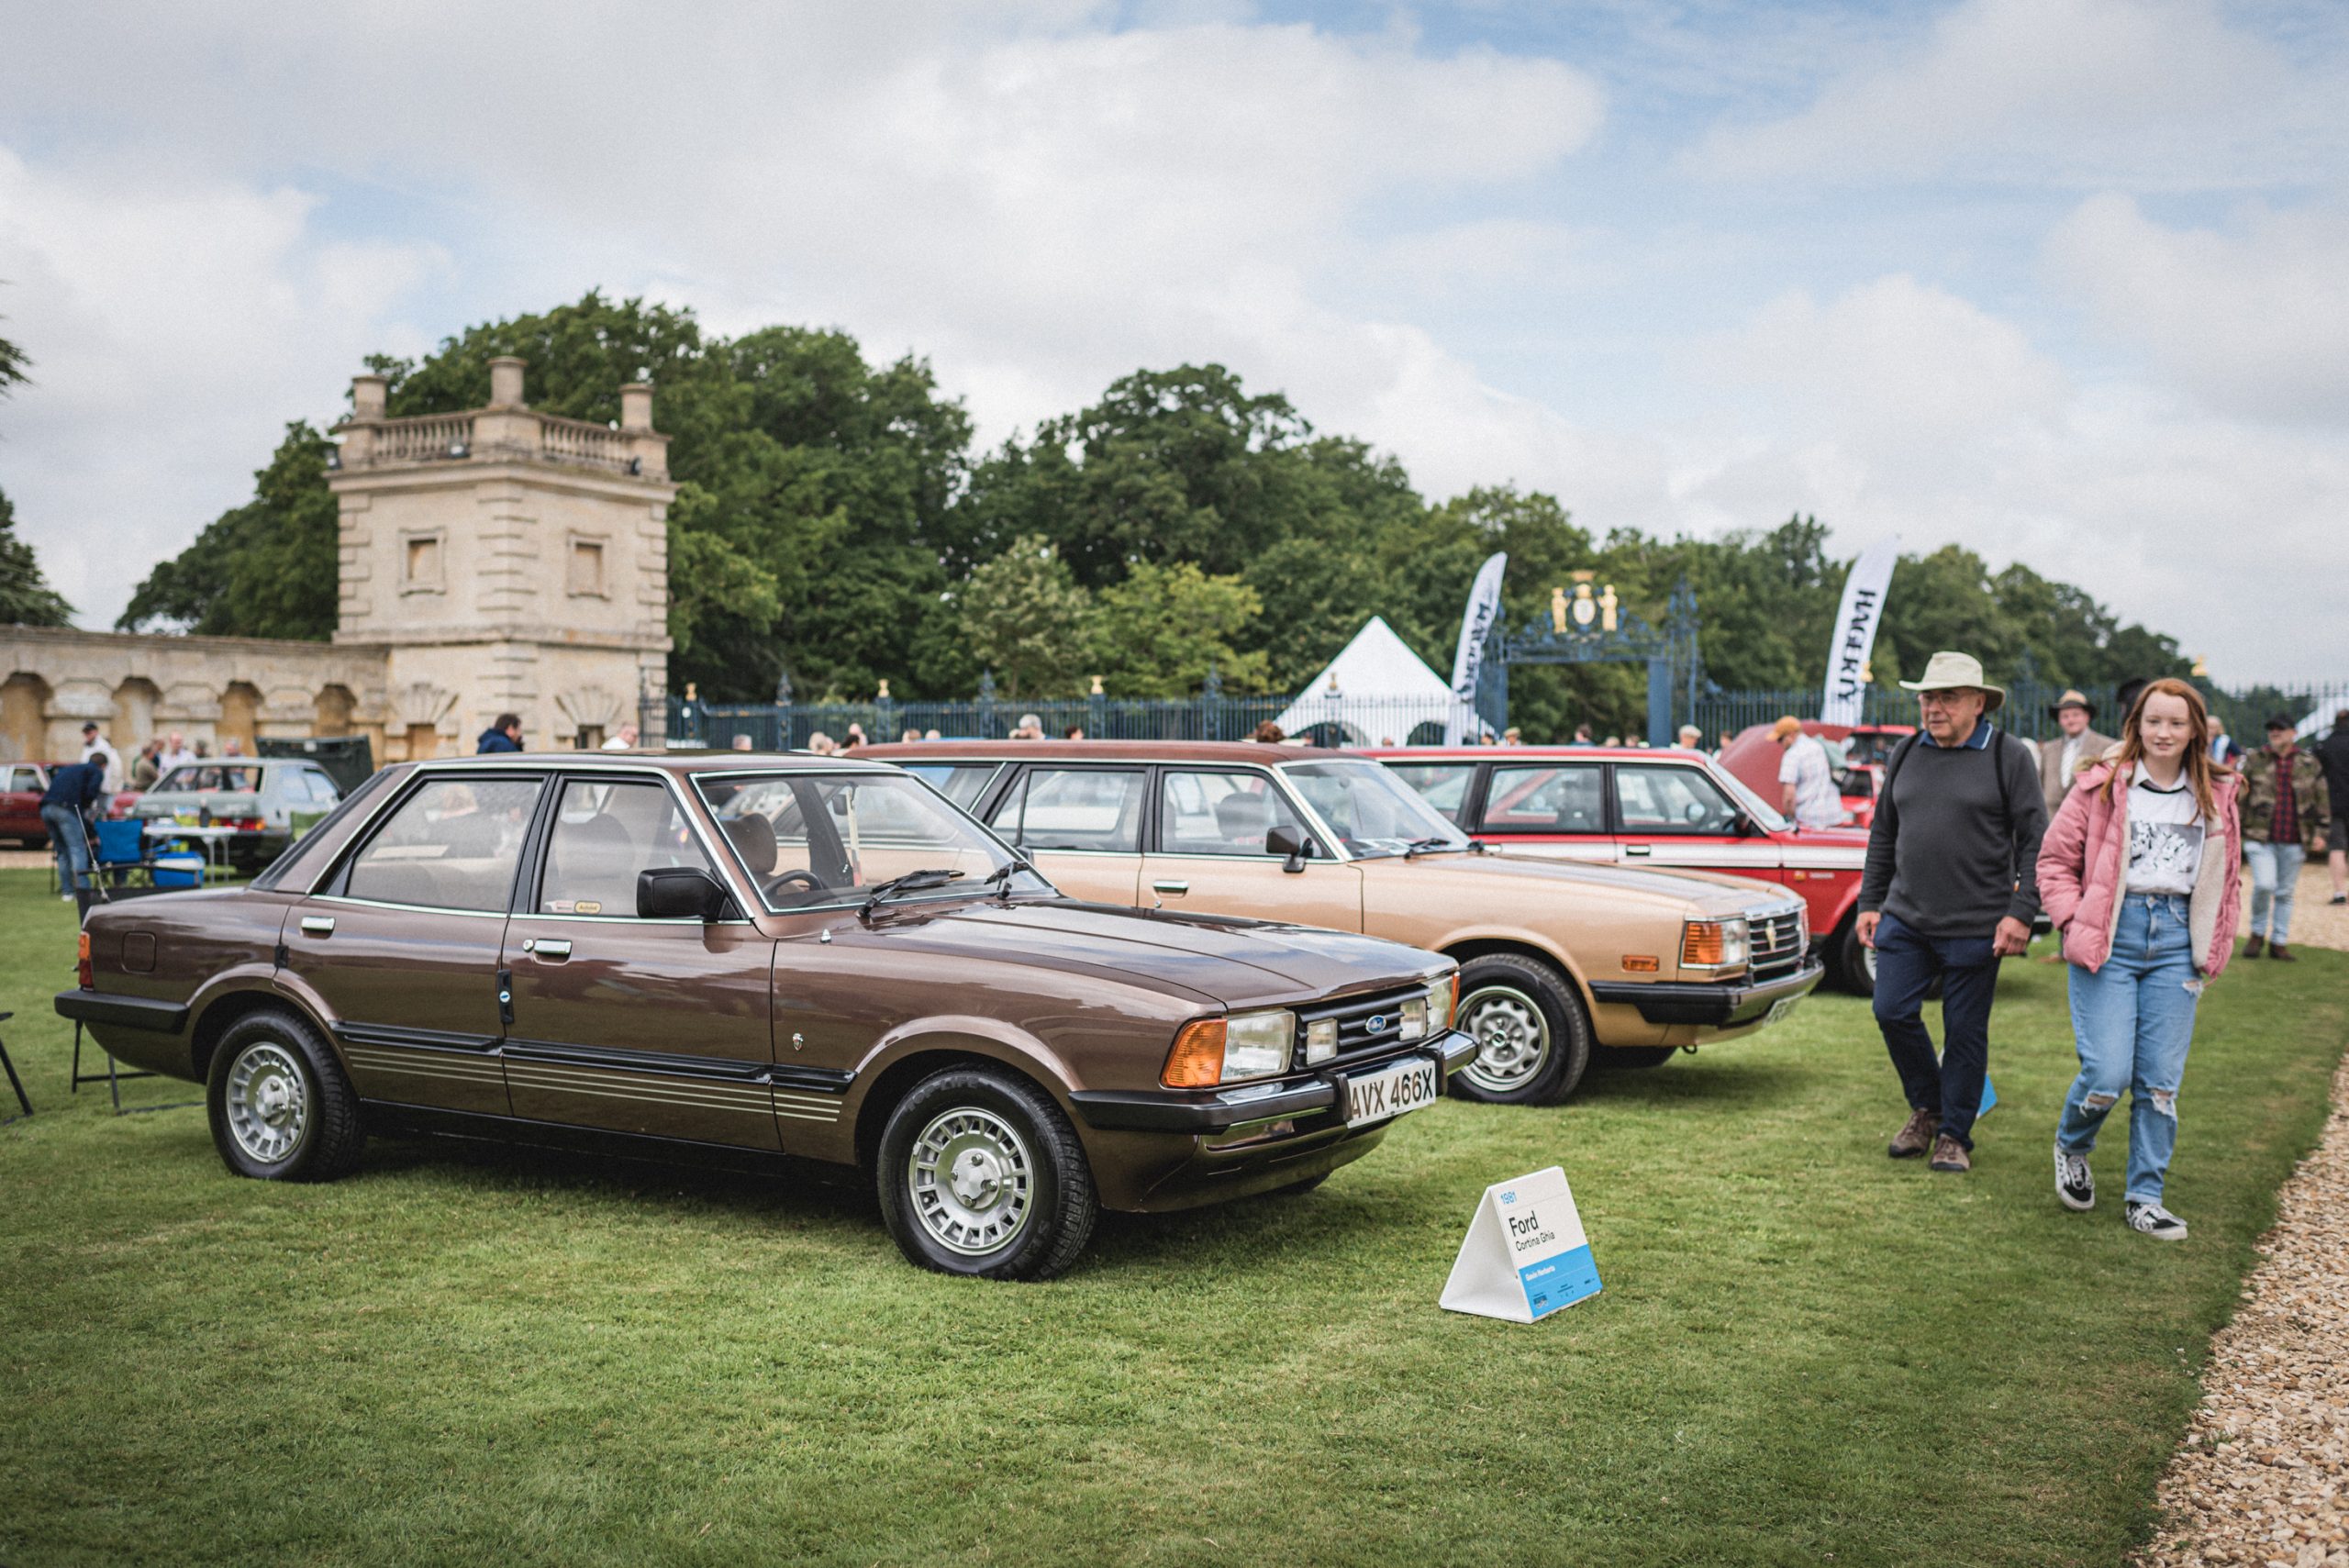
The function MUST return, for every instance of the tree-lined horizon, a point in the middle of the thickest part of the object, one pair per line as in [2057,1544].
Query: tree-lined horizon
[833,522]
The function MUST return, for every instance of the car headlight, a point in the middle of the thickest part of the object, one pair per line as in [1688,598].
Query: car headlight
[1415,1018]
[1321,1041]
[1713,944]
[1208,1052]
[1443,997]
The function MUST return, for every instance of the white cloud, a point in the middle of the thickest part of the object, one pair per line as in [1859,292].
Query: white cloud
[2256,322]
[2150,94]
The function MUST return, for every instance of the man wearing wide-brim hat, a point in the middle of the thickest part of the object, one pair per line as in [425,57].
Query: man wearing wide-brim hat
[1951,887]
[2075,745]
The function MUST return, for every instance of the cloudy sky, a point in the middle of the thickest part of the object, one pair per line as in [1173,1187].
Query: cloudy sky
[2066,281]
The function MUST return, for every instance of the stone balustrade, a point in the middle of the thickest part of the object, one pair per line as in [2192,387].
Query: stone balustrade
[494,435]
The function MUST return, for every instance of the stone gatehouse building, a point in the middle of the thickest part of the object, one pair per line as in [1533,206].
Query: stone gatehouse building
[496,560]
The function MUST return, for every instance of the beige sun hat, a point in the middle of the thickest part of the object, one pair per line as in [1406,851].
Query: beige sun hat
[1947,672]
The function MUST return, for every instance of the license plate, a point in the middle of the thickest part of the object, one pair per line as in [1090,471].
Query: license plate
[1780,1008]
[1408,1086]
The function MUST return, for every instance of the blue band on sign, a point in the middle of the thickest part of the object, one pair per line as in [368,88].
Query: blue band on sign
[1559,1282]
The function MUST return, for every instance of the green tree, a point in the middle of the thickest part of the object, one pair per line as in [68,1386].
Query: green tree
[1023,616]
[265,569]
[1158,631]
[13,364]
[26,597]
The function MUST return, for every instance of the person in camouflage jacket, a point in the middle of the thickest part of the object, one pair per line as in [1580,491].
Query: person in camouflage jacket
[2285,810]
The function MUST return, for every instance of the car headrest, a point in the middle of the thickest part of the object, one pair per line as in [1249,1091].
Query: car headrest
[753,840]
[1244,819]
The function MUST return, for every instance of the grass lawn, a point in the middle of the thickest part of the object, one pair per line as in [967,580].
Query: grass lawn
[1804,1352]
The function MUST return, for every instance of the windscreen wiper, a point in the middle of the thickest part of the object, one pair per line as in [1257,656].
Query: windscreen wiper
[912,882]
[999,879]
[1418,846]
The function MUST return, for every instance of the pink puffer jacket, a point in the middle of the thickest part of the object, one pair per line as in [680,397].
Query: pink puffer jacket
[2085,857]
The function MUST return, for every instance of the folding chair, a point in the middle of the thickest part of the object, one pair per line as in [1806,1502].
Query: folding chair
[121,850]
[14,1082]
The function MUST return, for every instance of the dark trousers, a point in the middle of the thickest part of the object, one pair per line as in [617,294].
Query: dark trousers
[1906,964]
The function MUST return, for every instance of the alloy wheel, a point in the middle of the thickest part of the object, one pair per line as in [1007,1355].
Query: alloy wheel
[268,1102]
[972,1180]
[1512,1037]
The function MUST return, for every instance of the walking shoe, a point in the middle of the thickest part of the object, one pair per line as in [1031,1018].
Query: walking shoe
[2074,1188]
[2254,948]
[2152,1219]
[2277,949]
[2339,898]
[1950,1155]
[1915,1135]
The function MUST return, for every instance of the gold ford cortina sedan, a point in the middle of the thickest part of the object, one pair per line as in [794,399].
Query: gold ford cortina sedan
[1561,964]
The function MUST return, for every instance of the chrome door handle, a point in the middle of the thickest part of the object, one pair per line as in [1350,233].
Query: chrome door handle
[548,947]
[1171,889]
[1638,850]
[318,925]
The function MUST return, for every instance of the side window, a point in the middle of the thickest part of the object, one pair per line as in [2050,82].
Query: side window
[1444,784]
[605,833]
[1666,799]
[961,783]
[1074,809]
[1558,798]
[451,845]
[23,778]
[322,788]
[1220,814]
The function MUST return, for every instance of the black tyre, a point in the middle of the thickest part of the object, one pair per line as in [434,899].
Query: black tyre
[282,1110]
[1533,1036]
[1853,962]
[1615,1056]
[980,1174]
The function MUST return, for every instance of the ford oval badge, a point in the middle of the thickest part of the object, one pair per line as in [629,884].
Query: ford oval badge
[1378,1024]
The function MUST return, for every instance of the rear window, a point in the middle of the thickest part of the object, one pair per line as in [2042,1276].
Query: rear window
[204,778]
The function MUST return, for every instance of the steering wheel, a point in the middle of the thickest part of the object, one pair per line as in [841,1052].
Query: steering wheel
[807,879]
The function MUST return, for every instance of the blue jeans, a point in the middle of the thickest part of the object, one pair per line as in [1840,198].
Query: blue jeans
[66,837]
[1906,964]
[2275,877]
[2132,1021]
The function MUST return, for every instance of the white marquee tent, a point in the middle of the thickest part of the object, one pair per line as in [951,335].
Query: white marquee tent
[1378,690]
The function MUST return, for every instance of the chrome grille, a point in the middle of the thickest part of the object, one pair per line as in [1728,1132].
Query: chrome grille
[1776,941]
[1355,1015]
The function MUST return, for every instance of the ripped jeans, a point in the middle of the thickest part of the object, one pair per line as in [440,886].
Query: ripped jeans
[2134,1020]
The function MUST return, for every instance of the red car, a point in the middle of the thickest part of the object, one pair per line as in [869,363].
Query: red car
[21,787]
[1857,754]
[1636,806]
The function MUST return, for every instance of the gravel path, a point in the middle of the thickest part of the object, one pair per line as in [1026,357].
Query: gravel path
[2315,921]
[2263,1477]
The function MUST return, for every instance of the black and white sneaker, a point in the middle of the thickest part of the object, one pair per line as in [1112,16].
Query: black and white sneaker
[2155,1220]
[2074,1188]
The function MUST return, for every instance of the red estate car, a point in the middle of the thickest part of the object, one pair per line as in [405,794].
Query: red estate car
[1637,806]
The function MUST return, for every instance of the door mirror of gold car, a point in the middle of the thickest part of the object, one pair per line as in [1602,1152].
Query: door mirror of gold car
[1289,841]
[678,892]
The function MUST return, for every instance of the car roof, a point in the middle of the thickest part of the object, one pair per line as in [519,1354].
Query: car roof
[1538,753]
[696,761]
[1250,753]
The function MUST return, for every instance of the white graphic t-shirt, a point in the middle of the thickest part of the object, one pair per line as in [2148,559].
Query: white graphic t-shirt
[2164,836]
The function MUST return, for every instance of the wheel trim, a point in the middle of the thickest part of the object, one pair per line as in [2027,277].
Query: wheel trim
[972,1180]
[1512,1036]
[268,1102]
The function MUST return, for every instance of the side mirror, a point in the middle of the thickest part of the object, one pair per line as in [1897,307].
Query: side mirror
[678,892]
[1289,842]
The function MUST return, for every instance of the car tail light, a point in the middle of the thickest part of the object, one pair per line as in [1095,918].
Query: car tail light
[1196,1059]
[239,824]
[82,972]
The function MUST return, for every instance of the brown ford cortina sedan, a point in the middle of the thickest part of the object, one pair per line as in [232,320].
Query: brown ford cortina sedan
[756,958]
[1555,959]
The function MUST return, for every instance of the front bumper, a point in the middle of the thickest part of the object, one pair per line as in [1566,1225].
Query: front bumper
[1731,1003]
[1171,1110]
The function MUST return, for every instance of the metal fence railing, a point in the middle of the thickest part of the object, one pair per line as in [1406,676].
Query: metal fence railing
[1366,721]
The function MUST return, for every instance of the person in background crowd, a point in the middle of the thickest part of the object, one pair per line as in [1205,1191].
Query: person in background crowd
[2063,756]
[624,740]
[2125,695]
[175,754]
[1806,790]
[504,734]
[932,735]
[1512,736]
[1269,733]
[73,790]
[909,737]
[96,750]
[1073,732]
[1387,740]
[147,769]
[2138,872]
[2284,814]
[1030,728]
[1582,735]
[1691,738]
[1612,741]
[1950,888]
[854,738]
[741,742]
[1724,744]
[232,747]
[2222,745]
[822,744]
[2333,752]
[202,750]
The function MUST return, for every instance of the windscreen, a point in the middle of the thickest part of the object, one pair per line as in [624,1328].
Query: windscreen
[1372,811]
[813,839]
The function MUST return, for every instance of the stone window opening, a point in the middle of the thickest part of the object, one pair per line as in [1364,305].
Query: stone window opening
[587,578]
[421,569]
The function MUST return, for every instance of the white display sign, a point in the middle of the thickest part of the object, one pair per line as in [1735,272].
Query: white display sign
[1856,624]
[1526,1255]
[1468,655]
